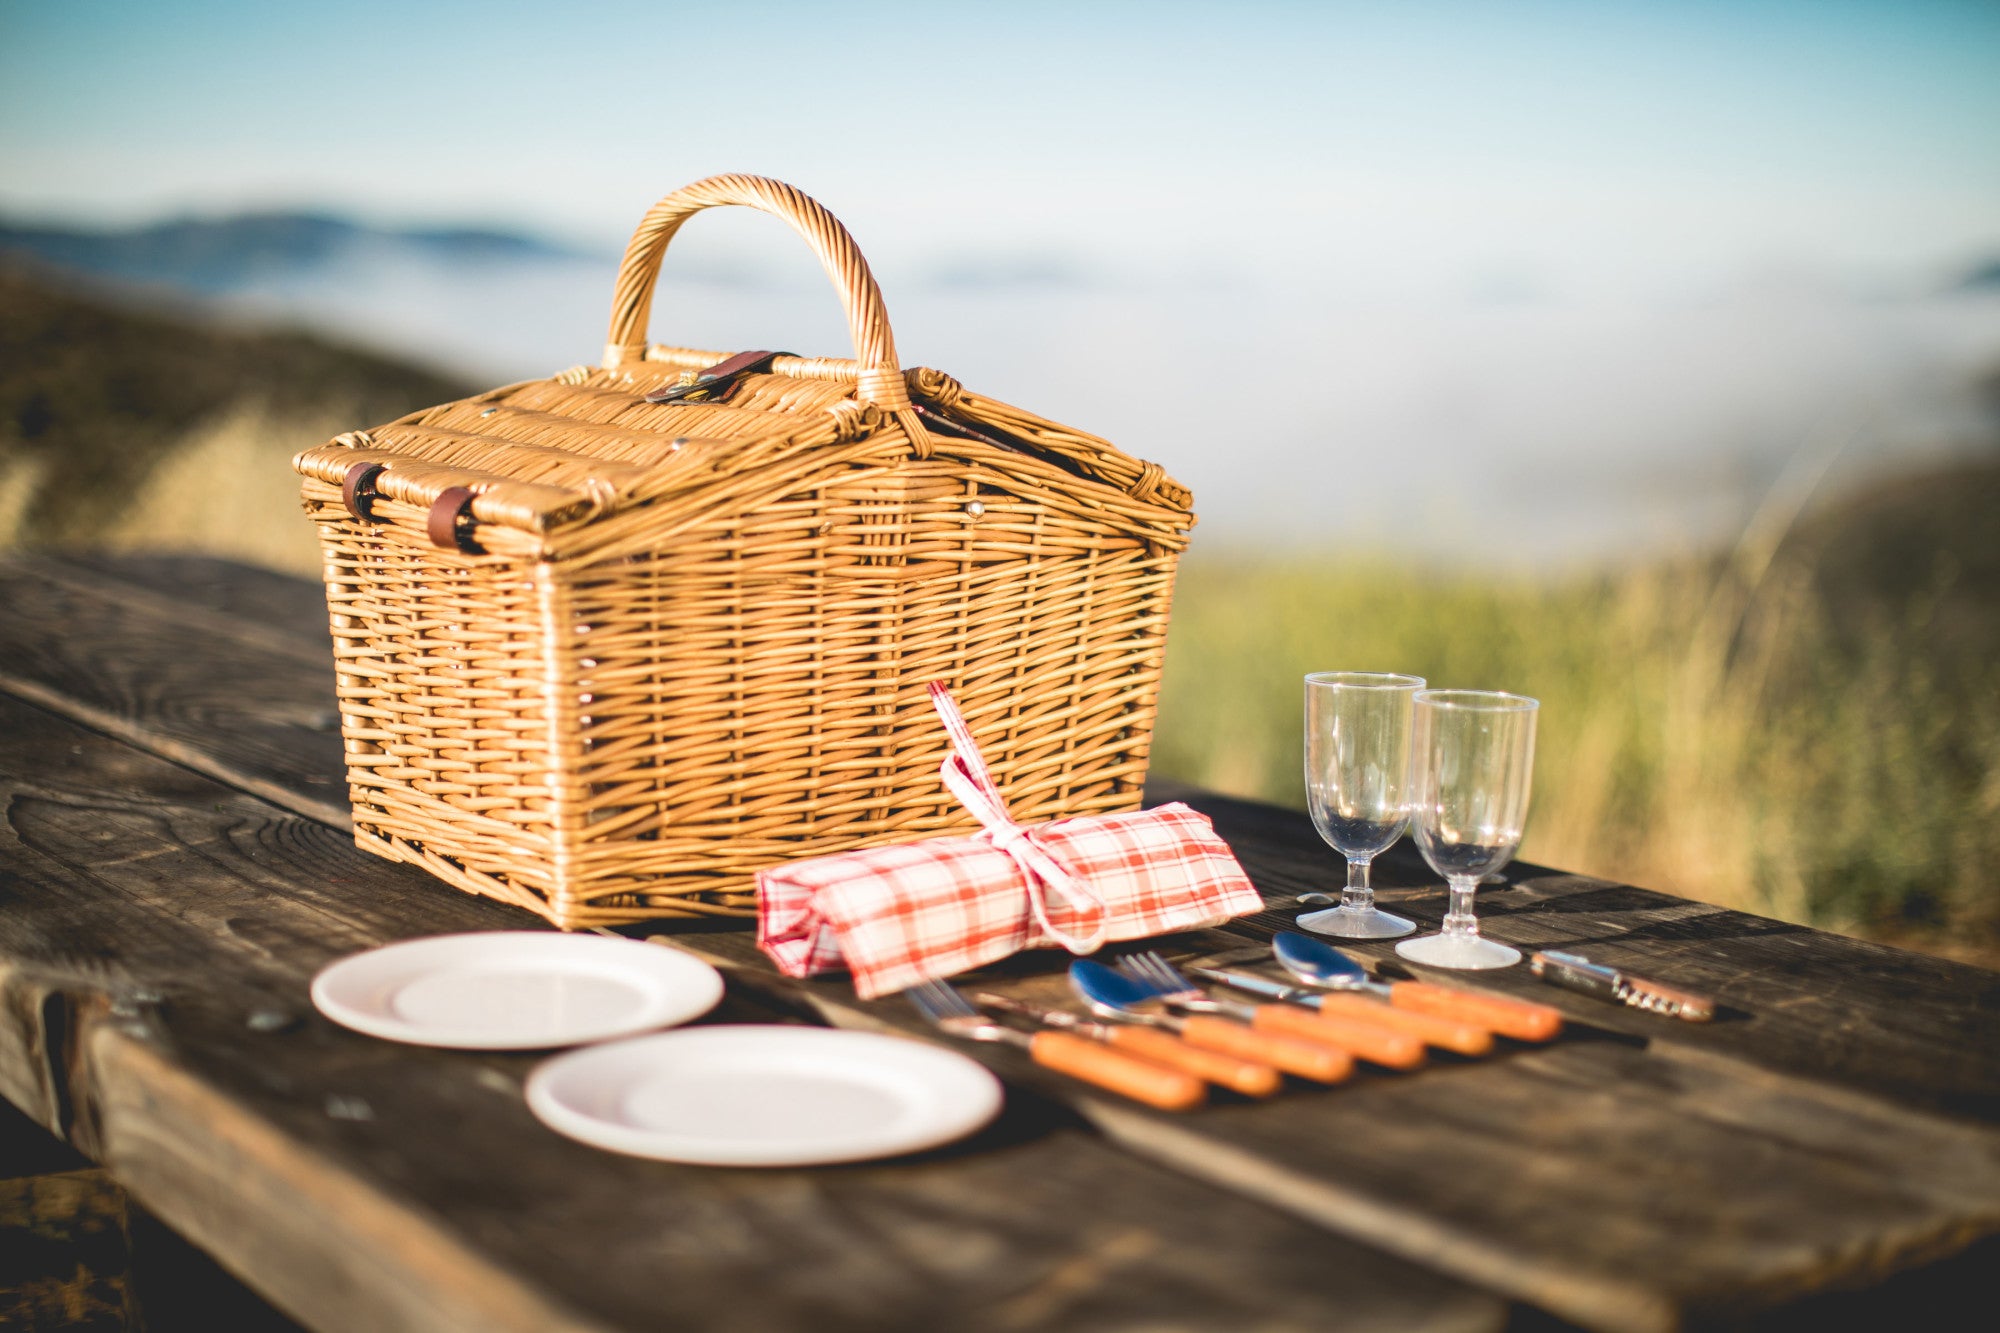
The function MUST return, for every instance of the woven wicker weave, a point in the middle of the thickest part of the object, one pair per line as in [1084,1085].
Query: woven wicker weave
[606,658]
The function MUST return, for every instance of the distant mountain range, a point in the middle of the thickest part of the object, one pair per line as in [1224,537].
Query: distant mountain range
[481,302]
[216,256]
[1579,427]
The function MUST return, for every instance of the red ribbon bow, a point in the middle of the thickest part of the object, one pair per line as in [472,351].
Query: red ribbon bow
[966,777]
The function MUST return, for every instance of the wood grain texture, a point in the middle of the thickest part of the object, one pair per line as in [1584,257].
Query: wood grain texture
[146,912]
[1832,1128]
[247,701]
[1618,1186]
[1909,1027]
[224,593]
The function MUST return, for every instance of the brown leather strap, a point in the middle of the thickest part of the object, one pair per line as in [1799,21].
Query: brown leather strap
[447,525]
[357,489]
[714,382]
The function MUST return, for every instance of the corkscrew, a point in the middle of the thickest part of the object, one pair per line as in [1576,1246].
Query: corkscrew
[1575,972]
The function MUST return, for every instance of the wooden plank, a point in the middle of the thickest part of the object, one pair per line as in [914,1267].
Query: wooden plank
[1905,1026]
[293,609]
[1618,1186]
[1641,1172]
[148,912]
[245,701]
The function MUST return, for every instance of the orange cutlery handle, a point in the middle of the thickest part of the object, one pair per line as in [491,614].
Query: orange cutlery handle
[1244,1076]
[1371,1041]
[1114,1071]
[1510,1018]
[1444,1033]
[1307,1059]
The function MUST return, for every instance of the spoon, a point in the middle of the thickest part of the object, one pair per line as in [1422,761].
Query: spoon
[1444,1033]
[1119,998]
[1317,963]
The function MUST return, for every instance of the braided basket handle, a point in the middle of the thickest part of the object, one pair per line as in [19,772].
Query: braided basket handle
[880,381]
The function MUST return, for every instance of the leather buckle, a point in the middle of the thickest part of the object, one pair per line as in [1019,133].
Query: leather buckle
[451,524]
[714,384]
[357,489]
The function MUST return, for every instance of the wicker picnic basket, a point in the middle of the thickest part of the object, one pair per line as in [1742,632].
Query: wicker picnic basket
[608,643]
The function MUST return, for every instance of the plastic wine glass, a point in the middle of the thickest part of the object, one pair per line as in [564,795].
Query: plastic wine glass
[1358,787]
[1474,761]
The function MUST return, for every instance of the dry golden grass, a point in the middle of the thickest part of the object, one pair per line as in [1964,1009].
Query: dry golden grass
[1756,731]
[255,518]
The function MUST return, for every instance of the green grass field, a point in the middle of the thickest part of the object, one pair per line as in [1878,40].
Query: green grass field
[1807,728]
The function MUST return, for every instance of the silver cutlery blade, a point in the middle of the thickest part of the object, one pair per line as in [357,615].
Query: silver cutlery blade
[1256,985]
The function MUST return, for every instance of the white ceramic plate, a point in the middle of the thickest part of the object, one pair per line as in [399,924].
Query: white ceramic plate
[763,1096]
[512,990]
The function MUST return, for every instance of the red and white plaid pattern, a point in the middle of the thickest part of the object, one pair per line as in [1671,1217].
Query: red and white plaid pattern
[899,915]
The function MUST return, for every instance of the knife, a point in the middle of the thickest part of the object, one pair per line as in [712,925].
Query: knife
[1443,1033]
[1244,1076]
[1317,963]
[1115,996]
[1374,1042]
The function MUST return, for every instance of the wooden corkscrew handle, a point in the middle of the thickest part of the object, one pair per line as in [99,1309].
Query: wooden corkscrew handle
[1127,1075]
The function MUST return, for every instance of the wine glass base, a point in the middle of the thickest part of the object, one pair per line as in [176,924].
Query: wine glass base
[1464,952]
[1354,923]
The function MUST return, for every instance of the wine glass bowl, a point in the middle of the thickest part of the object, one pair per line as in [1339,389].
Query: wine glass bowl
[1472,771]
[1358,730]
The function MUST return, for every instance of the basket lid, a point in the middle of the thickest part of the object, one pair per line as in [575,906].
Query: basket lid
[657,423]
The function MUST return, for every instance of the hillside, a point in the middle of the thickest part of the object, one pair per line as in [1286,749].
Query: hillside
[95,396]
[1810,732]
[213,255]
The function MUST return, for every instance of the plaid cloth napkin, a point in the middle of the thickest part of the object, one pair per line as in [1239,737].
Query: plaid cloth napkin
[902,914]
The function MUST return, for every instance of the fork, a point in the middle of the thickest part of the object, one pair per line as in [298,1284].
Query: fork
[1369,1041]
[1064,1052]
[1161,1048]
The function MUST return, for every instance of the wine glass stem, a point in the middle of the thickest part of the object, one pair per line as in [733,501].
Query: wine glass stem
[1460,920]
[1358,896]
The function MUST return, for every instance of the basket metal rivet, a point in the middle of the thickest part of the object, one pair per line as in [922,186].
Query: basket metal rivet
[974,509]
[489,411]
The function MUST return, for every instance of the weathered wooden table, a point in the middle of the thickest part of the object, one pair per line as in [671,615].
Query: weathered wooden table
[174,866]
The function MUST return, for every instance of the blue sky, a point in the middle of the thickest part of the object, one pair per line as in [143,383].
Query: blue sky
[1382,146]
[1577,273]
